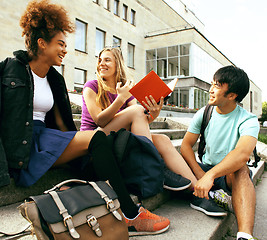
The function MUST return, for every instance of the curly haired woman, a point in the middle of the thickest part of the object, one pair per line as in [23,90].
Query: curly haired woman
[37,131]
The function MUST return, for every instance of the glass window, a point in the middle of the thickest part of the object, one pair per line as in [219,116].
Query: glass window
[60,69]
[79,79]
[116,42]
[162,53]
[162,68]
[184,98]
[184,49]
[150,54]
[124,12]
[173,51]
[173,67]
[131,55]
[184,66]
[132,17]
[151,65]
[99,41]
[80,35]
[116,7]
[106,4]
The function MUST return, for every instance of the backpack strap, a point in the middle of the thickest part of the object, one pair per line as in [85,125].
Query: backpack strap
[120,140]
[205,121]
[256,159]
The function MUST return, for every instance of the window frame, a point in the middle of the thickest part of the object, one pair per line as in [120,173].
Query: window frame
[125,12]
[119,40]
[133,17]
[85,36]
[96,41]
[77,85]
[116,7]
[133,56]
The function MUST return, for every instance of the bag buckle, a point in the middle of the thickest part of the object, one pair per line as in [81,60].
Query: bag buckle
[92,222]
[110,204]
[66,218]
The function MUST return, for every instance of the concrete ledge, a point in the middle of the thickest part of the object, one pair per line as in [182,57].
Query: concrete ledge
[171,133]
[12,194]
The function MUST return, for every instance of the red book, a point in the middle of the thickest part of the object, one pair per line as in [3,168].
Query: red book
[153,85]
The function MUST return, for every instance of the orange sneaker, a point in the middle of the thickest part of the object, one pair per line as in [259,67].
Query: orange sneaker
[146,223]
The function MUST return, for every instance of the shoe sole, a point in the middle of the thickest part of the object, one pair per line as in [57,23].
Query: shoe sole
[213,214]
[131,234]
[177,189]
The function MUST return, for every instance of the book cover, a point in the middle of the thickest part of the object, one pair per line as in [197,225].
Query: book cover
[153,85]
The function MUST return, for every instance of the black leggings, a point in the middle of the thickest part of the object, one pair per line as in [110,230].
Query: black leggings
[106,168]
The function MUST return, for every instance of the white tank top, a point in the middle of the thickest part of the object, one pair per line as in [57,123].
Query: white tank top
[43,98]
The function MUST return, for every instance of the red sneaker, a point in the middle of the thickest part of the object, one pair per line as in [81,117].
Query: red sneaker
[146,223]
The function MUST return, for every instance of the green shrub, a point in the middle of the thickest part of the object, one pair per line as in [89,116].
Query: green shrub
[263,138]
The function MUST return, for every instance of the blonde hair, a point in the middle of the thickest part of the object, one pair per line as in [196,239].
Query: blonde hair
[121,76]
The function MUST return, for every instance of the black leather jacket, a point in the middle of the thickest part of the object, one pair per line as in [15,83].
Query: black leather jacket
[16,111]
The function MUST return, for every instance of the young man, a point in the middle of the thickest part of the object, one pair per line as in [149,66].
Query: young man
[230,136]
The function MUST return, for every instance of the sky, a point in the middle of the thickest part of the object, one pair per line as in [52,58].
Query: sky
[238,29]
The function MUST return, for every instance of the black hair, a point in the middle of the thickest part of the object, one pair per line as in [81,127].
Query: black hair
[236,78]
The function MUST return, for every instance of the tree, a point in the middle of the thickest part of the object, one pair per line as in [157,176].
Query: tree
[264,112]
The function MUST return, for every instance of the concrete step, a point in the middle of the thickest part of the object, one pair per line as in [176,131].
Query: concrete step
[186,223]
[171,133]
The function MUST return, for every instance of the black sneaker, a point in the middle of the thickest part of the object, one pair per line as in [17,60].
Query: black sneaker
[209,207]
[175,182]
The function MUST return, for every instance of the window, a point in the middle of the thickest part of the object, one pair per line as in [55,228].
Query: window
[60,69]
[106,4]
[130,55]
[132,17]
[170,61]
[116,7]
[79,79]
[80,35]
[99,41]
[116,42]
[124,12]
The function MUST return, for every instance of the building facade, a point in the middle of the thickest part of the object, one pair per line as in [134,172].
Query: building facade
[152,34]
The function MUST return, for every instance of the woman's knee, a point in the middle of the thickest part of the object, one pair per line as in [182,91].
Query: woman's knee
[138,110]
[161,138]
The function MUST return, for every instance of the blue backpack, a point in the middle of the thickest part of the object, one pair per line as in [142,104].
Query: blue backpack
[139,161]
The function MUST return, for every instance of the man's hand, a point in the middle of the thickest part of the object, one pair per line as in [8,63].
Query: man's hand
[203,186]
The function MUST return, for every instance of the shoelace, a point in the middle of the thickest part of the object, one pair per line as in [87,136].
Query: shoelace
[149,214]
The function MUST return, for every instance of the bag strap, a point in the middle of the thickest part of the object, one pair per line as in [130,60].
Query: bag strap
[65,183]
[67,218]
[17,234]
[109,202]
[257,158]
[205,121]
[121,138]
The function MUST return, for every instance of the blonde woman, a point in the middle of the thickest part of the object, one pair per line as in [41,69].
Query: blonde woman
[109,106]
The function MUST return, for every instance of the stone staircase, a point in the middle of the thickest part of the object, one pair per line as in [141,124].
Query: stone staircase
[186,223]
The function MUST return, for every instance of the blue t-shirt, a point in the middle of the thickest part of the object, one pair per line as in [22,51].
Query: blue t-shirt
[223,132]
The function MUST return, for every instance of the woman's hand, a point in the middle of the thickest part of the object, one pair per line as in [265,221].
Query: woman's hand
[123,92]
[153,107]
